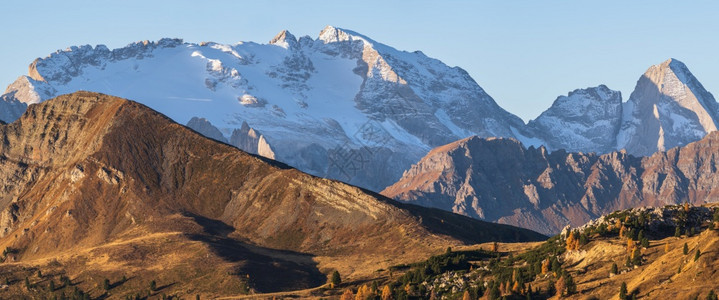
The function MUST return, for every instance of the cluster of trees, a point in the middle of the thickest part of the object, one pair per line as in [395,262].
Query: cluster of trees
[371,292]
[576,240]
[512,276]
[52,289]
[439,264]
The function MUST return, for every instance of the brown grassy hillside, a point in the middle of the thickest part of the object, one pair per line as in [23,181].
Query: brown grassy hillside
[95,187]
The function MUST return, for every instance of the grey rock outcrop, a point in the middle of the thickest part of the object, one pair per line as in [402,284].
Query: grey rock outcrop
[206,128]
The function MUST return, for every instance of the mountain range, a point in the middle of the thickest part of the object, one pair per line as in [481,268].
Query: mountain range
[344,106]
[500,180]
[89,192]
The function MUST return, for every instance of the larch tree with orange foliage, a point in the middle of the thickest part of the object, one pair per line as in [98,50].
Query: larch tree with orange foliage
[363,292]
[517,288]
[560,286]
[466,295]
[347,295]
[545,266]
[572,242]
[631,245]
[386,293]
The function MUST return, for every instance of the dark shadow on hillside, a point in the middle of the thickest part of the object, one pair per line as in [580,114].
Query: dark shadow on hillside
[269,270]
[467,229]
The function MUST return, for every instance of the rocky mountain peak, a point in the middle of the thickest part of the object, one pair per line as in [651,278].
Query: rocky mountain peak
[584,119]
[668,108]
[285,40]
[331,34]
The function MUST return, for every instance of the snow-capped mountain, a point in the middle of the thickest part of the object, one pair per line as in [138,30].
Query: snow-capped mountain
[668,108]
[346,107]
[341,106]
[585,120]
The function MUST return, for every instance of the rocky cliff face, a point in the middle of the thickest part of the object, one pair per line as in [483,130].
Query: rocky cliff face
[83,172]
[340,106]
[500,180]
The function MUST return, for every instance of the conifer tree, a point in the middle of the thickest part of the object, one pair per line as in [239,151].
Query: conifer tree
[335,280]
[697,255]
[615,269]
[493,291]
[386,293]
[571,285]
[712,295]
[636,257]
[686,249]
[65,281]
[623,291]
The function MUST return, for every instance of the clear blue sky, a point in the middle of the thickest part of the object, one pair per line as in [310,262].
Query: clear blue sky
[523,53]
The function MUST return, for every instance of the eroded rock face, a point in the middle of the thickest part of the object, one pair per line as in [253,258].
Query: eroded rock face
[500,180]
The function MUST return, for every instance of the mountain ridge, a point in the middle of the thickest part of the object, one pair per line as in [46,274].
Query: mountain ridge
[290,91]
[501,180]
[346,107]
